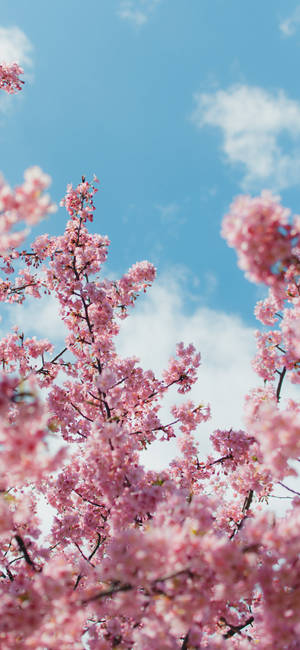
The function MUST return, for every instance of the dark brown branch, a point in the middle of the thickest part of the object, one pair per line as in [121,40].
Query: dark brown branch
[40,370]
[93,503]
[80,412]
[19,289]
[246,506]
[128,587]
[26,555]
[58,355]
[77,581]
[282,374]
[88,559]
[9,573]
[86,316]
[185,641]
[90,328]
[248,501]
[280,348]
[221,460]
[236,629]
[99,541]
[108,592]
[82,553]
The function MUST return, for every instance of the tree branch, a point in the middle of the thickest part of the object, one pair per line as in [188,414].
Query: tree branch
[235,629]
[281,378]
[185,641]
[26,555]
[246,506]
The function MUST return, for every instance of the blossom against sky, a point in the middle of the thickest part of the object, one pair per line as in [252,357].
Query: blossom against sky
[177,107]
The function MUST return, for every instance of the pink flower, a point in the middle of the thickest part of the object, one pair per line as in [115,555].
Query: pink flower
[259,230]
[9,77]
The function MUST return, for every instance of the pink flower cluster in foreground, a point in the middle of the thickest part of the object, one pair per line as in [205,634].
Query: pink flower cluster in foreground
[181,559]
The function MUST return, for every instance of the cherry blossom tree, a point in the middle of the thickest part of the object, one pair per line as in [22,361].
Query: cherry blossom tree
[184,558]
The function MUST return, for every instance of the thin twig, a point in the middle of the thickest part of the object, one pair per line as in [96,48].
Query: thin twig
[128,587]
[289,489]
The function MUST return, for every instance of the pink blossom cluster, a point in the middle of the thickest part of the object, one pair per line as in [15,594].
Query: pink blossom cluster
[267,244]
[23,435]
[279,349]
[136,559]
[268,357]
[240,459]
[277,431]
[190,416]
[260,232]
[183,370]
[9,77]
[27,203]
[267,310]
[79,201]
[232,445]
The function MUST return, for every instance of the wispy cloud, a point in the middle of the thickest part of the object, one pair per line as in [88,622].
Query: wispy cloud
[38,318]
[252,122]
[137,12]
[172,217]
[289,25]
[15,46]
[226,345]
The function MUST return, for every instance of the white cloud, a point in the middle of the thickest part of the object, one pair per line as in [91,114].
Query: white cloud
[252,122]
[289,25]
[15,46]
[38,317]
[226,345]
[137,12]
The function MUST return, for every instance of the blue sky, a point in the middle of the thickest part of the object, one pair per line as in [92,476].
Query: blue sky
[116,88]
[177,106]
